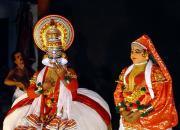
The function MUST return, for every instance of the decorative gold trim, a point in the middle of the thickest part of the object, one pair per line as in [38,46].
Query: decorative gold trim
[62,24]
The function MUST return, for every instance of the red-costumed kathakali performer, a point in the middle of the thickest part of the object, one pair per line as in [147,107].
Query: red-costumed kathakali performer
[53,100]
[144,95]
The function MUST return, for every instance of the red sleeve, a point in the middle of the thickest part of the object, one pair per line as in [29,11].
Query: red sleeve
[118,91]
[73,86]
[32,87]
[164,114]
[31,91]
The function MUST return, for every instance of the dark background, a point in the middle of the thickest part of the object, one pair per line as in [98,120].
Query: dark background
[104,30]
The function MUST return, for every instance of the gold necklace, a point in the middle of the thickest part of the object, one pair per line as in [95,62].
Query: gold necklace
[137,69]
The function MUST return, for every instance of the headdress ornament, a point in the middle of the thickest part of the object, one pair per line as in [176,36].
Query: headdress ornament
[53,31]
[53,34]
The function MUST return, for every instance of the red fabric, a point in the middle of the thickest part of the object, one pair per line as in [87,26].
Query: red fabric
[73,86]
[24,102]
[164,114]
[30,91]
[96,106]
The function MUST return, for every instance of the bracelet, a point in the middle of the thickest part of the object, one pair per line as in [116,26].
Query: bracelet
[147,111]
[149,108]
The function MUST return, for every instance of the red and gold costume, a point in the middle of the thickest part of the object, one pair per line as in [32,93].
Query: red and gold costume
[53,99]
[146,88]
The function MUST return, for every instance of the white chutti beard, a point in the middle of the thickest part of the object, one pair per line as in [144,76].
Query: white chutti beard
[61,61]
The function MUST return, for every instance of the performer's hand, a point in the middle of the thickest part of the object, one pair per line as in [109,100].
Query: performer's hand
[125,113]
[133,117]
[60,70]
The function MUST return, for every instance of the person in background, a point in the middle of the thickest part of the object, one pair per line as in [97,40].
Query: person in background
[18,76]
[144,95]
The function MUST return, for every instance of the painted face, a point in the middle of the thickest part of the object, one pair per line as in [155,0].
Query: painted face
[19,60]
[138,55]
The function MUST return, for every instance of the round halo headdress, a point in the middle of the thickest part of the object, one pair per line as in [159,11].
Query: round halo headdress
[53,34]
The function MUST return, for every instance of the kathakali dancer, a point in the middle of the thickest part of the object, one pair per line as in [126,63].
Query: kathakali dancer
[144,95]
[53,100]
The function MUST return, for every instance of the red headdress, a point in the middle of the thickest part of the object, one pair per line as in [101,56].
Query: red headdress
[147,44]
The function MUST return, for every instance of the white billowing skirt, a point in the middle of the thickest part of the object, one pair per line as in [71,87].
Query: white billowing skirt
[85,117]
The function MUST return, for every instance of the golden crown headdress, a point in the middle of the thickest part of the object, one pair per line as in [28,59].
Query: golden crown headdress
[53,32]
